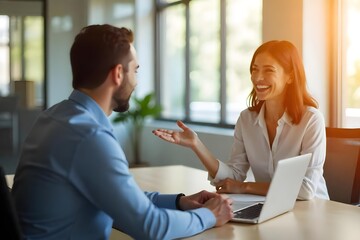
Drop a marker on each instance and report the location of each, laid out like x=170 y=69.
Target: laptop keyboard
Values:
x=249 y=212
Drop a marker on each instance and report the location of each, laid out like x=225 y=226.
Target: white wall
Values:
x=21 y=8
x=64 y=21
x=316 y=51
x=282 y=20
x=144 y=43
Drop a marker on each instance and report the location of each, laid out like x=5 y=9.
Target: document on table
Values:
x=243 y=200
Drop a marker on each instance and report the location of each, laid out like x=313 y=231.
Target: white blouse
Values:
x=251 y=148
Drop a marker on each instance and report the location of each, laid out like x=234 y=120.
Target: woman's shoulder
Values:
x=313 y=114
x=248 y=114
x=313 y=111
x=247 y=118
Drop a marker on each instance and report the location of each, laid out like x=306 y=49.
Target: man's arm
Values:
x=102 y=176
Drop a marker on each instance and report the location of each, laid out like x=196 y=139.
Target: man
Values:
x=73 y=181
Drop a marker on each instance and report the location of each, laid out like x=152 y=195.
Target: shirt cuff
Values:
x=166 y=201
x=223 y=172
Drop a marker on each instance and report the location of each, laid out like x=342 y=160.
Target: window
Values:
x=349 y=63
x=22 y=53
x=4 y=55
x=27 y=52
x=204 y=52
x=115 y=12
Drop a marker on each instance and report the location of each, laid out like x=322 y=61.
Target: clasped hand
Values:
x=218 y=204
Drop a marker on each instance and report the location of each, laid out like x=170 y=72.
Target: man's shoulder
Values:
x=70 y=117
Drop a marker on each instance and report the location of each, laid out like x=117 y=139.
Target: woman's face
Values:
x=269 y=78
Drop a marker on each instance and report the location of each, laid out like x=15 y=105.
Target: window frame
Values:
x=337 y=106
x=161 y=6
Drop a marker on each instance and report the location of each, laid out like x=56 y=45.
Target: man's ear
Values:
x=118 y=74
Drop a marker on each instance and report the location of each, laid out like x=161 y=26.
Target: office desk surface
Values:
x=310 y=220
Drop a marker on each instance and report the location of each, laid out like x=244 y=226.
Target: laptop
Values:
x=282 y=194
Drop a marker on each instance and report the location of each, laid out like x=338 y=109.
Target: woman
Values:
x=282 y=121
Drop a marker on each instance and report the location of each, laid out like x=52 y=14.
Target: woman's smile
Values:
x=262 y=88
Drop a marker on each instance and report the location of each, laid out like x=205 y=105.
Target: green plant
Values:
x=141 y=109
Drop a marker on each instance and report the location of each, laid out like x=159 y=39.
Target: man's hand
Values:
x=219 y=205
x=196 y=200
x=221 y=208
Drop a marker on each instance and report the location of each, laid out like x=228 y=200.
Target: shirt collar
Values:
x=286 y=119
x=92 y=107
x=260 y=119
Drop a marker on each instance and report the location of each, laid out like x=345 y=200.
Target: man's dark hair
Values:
x=95 y=51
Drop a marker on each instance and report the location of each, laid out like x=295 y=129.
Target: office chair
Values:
x=9 y=118
x=9 y=222
x=342 y=164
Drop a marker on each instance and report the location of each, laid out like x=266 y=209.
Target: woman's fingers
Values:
x=182 y=125
x=164 y=134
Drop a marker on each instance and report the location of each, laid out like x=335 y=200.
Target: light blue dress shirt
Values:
x=73 y=182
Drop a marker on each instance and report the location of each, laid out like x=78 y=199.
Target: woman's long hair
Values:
x=297 y=97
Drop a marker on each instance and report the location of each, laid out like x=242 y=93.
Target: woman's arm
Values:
x=314 y=141
x=229 y=185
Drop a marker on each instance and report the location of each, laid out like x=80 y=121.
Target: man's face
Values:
x=122 y=96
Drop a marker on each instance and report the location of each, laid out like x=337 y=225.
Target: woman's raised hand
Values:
x=187 y=137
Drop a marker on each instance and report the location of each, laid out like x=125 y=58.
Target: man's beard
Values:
x=122 y=104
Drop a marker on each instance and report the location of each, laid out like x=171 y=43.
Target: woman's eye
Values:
x=269 y=70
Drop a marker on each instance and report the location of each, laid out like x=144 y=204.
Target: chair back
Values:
x=9 y=222
x=9 y=104
x=342 y=164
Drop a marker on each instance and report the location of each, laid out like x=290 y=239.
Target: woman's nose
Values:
x=256 y=77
